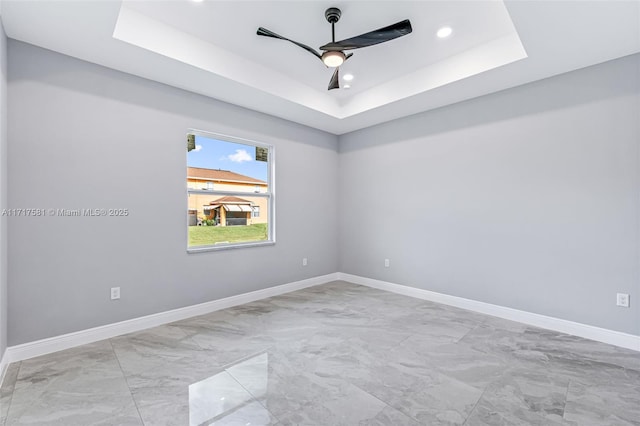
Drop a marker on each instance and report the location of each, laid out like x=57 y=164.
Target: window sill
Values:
x=230 y=246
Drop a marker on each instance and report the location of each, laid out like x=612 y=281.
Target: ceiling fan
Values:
x=333 y=53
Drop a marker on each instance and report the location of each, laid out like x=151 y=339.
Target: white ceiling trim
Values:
x=147 y=33
x=554 y=37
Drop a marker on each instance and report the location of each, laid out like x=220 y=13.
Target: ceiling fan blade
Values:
x=381 y=35
x=265 y=32
x=335 y=81
x=348 y=56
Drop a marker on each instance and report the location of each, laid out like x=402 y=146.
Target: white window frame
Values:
x=269 y=194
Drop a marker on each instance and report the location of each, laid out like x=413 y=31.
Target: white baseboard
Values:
x=604 y=335
x=66 y=341
x=4 y=363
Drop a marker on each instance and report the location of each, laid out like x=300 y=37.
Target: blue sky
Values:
x=217 y=154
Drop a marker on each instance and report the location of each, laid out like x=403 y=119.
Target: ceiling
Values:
x=211 y=48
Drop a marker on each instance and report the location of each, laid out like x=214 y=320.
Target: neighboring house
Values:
x=229 y=211
x=225 y=210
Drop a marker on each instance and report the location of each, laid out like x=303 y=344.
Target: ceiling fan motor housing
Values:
x=332 y=14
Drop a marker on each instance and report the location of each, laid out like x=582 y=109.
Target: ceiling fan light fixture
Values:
x=333 y=58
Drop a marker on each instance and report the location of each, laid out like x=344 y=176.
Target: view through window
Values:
x=230 y=192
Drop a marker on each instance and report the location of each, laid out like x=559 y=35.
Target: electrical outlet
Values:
x=387 y=263
x=622 y=300
x=304 y=261
x=115 y=293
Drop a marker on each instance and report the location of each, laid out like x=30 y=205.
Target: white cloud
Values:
x=197 y=148
x=240 y=156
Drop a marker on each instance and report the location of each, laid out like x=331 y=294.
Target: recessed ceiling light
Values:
x=347 y=77
x=198 y=1
x=346 y=86
x=444 y=32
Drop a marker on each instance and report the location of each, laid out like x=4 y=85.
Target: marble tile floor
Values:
x=336 y=354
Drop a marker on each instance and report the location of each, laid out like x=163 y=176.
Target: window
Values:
x=230 y=192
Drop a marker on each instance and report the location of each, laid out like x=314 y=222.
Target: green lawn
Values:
x=208 y=235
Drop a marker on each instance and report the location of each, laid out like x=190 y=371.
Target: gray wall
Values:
x=85 y=136
x=527 y=198
x=3 y=190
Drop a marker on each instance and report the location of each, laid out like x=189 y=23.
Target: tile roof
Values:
x=230 y=199
x=220 y=175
